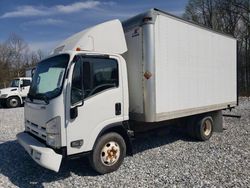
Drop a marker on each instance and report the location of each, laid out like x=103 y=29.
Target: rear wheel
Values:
x=108 y=153
x=13 y=102
x=204 y=128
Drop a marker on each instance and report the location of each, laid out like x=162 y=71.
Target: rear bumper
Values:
x=41 y=154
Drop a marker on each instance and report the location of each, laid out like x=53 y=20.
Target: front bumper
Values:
x=3 y=96
x=2 y=101
x=41 y=154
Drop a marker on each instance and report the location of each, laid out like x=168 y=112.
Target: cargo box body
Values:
x=176 y=68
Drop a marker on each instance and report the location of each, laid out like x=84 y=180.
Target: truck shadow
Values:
x=22 y=171
x=159 y=137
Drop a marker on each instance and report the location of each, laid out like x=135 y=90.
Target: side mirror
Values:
x=73 y=112
x=21 y=84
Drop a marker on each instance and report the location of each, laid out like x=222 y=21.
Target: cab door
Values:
x=24 y=87
x=99 y=81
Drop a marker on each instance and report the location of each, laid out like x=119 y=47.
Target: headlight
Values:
x=53 y=140
x=53 y=126
x=53 y=130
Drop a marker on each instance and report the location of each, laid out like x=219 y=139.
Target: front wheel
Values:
x=108 y=153
x=13 y=102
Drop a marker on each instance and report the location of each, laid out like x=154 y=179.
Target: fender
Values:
x=122 y=129
x=21 y=99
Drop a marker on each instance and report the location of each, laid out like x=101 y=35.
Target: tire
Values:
x=108 y=153
x=13 y=102
x=204 y=128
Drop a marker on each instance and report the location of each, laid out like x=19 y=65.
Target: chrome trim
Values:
x=149 y=65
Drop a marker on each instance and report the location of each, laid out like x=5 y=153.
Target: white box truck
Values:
x=14 y=95
x=104 y=84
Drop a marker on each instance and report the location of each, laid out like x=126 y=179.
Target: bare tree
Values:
x=41 y=55
x=19 y=49
x=232 y=17
x=202 y=12
x=15 y=58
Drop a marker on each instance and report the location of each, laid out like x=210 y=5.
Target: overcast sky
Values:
x=44 y=23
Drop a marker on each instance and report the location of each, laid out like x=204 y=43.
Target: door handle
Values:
x=118 y=109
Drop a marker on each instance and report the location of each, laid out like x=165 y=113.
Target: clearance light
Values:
x=78 y=49
x=147 y=19
x=76 y=144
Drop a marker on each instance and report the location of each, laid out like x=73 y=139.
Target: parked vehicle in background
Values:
x=103 y=85
x=15 y=94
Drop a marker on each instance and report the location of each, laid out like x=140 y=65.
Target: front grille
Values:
x=37 y=130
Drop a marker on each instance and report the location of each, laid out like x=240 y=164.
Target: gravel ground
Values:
x=168 y=159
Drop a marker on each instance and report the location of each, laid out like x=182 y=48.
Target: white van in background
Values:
x=14 y=95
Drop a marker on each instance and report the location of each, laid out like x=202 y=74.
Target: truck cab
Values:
x=77 y=95
x=14 y=95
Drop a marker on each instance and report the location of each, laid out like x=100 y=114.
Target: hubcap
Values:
x=207 y=127
x=110 y=153
x=13 y=102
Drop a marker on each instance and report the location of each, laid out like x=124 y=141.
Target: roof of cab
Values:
x=107 y=37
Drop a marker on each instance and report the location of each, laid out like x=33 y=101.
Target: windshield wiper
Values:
x=43 y=97
x=38 y=96
x=46 y=99
x=30 y=96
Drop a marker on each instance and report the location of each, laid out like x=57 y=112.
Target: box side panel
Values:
x=133 y=58
x=195 y=68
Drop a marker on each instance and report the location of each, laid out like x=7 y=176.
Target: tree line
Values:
x=15 y=58
x=230 y=17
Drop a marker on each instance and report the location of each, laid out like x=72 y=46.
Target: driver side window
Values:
x=98 y=74
x=26 y=83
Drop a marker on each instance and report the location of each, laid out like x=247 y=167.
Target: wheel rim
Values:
x=13 y=102
x=110 y=153
x=207 y=127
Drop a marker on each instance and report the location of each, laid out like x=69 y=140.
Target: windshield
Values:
x=14 y=83
x=48 y=78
